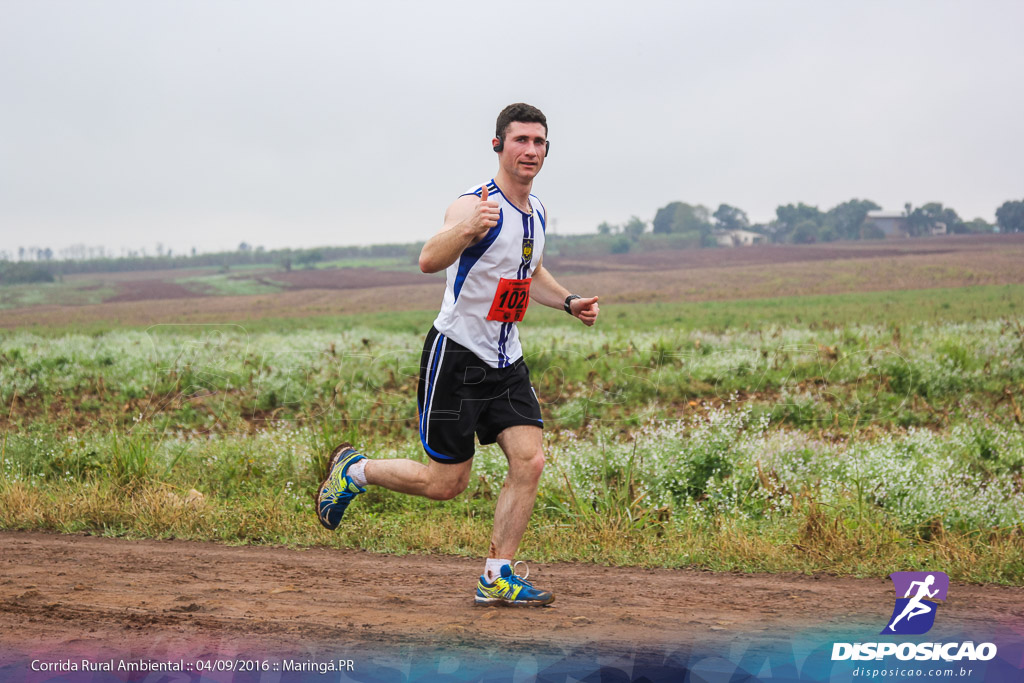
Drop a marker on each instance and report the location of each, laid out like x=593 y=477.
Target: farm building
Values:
x=894 y=224
x=738 y=238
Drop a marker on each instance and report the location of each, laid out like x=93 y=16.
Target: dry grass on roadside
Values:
x=812 y=542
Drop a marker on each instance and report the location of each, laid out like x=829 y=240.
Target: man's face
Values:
x=523 y=154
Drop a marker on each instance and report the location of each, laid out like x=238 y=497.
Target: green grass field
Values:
x=403 y=263
x=854 y=434
x=51 y=293
x=230 y=284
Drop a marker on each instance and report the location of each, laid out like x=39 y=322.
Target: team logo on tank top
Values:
x=527 y=249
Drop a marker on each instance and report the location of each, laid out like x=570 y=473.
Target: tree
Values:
x=664 y=219
x=21 y=273
x=806 y=232
x=788 y=217
x=681 y=217
x=916 y=219
x=308 y=257
x=1010 y=216
x=731 y=218
x=924 y=220
x=620 y=245
x=847 y=218
x=827 y=233
x=952 y=221
x=635 y=227
x=976 y=227
x=285 y=259
x=605 y=228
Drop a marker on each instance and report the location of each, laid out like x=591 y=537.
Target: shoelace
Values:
x=521 y=579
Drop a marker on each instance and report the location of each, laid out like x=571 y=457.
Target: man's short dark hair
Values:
x=521 y=112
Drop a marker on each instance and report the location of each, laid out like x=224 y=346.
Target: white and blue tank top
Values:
x=511 y=249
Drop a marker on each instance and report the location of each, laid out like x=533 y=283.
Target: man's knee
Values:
x=447 y=489
x=537 y=463
x=530 y=466
x=445 y=492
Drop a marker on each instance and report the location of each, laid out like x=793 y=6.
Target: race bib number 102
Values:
x=510 y=301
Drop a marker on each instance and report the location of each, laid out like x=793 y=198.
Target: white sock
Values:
x=492 y=569
x=357 y=471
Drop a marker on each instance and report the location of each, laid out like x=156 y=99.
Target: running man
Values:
x=916 y=605
x=472 y=376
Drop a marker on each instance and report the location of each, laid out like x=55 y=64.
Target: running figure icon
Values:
x=916 y=606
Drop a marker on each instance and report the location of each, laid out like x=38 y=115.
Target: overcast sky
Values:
x=204 y=124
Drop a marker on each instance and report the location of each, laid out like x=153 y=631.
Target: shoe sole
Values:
x=501 y=602
x=333 y=458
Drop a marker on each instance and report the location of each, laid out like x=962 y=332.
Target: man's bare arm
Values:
x=544 y=289
x=466 y=221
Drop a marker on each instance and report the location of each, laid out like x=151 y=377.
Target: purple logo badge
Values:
x=917 y=596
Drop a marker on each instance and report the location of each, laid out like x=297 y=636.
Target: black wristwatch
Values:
x=568 y=300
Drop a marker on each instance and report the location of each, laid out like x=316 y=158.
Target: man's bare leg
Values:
x=500 y=584
x=435 y=480
x=524 y=448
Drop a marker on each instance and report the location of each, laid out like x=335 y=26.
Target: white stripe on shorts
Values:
x=431 y=385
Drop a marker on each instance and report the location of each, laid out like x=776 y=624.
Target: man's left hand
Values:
x=585 y=309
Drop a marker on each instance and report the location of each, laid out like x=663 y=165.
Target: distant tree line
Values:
x=38 y=265
x=23 y=272
x=677 y=225
x=803 y=224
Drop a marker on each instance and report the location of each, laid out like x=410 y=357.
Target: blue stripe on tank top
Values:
x=504 y=344
x=472 y=254
x=521 y=273
x=491 y=189
x=502 y=340
x=542 y=213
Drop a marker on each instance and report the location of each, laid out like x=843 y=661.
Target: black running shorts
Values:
x=460 y=395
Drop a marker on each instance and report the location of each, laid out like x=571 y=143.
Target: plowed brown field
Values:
x=671 y=275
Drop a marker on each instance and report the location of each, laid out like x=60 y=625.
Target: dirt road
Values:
x=90 y=596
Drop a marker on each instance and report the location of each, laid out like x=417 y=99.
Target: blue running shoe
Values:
x=338 y=489
x=512 y=590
